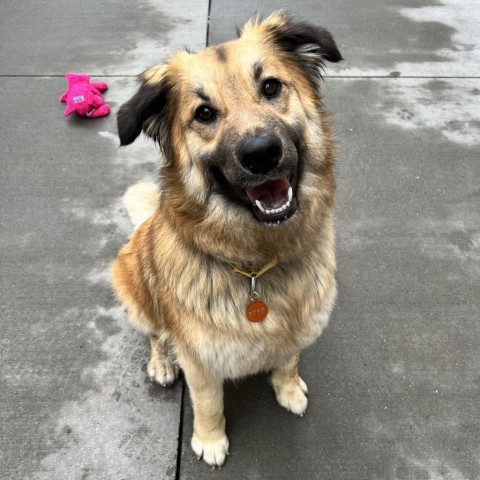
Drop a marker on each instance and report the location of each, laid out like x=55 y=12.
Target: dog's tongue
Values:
x=271 y=194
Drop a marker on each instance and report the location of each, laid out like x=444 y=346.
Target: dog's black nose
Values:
x=261 y=153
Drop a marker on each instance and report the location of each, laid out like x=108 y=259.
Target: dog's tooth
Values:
x=259 y=205
x=290 y=194
x=274 y=211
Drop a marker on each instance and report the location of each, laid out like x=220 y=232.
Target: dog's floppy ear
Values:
x=146 y=109
x=309 y=45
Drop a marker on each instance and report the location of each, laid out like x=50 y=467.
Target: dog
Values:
x=231 y=270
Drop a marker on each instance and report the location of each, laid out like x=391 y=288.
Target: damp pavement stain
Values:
x=463 y=56
x=410 y=458
x=108 y=39
x=113 y=429
x=455 y=240
x=439 y=39
x=74 y=372
x=446 y=106
x=401 y=352
x=123 y=426
x=378 y=38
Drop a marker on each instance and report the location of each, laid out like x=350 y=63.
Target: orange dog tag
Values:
x=256 y=311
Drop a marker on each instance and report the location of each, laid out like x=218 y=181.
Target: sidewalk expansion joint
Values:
x=208 y=22
x=180 y=432
x=399 y=77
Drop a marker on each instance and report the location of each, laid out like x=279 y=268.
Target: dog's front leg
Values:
x=206 y=391
x=290 y=390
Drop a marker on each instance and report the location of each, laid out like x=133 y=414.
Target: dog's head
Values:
x=241 y=121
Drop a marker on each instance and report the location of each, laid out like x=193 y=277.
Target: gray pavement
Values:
x=394 y=382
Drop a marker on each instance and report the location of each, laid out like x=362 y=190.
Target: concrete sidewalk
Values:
x=394 y=382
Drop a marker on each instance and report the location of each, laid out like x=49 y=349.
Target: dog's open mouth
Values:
x=273 y=201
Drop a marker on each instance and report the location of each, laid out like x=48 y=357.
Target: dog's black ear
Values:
x=304 y=39
x=310 y=45
x=146 y=109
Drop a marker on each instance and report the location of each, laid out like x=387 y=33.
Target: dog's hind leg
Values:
x=162 y=367
x=290 y=390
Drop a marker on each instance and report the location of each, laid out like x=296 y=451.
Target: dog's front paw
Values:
x=292 y=394
x=162 y=370
x=213 y=452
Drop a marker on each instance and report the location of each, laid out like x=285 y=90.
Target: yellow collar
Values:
x=267 y=267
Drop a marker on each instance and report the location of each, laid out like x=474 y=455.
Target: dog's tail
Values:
x=140 y=200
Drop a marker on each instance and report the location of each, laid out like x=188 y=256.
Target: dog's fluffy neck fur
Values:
x=243 y=241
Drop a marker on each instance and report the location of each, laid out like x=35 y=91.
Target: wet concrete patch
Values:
x=74 y=401
x=376 y=37
x=111 y=38
x=408 y=232
x=447 y=106
x=462 y=18
x=113 y=429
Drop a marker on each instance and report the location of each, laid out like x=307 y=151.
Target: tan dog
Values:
x=248 y=183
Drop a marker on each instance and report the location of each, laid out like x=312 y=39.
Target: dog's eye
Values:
x=204 y=114
x=271 y=87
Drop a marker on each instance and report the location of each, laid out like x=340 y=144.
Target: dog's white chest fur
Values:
x=233 y=347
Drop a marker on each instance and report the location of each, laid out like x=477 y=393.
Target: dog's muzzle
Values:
x=272 y=197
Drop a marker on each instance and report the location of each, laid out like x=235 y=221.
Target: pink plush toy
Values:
x=84 y=97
